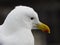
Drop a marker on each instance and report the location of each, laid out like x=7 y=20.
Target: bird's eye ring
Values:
x=32 y=18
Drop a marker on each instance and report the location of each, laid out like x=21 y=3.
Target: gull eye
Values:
x=32 y=18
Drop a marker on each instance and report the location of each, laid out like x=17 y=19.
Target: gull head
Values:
x=23 y=16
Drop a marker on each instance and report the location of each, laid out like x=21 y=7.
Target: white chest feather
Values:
x=19 y=38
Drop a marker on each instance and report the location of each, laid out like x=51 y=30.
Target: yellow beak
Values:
x=43 y=27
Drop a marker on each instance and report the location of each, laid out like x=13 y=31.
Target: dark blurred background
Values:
x=48 y=11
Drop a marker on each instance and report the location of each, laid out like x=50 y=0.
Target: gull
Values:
x=16 y=29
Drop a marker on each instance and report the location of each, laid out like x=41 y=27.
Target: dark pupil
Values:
x=32 y=18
